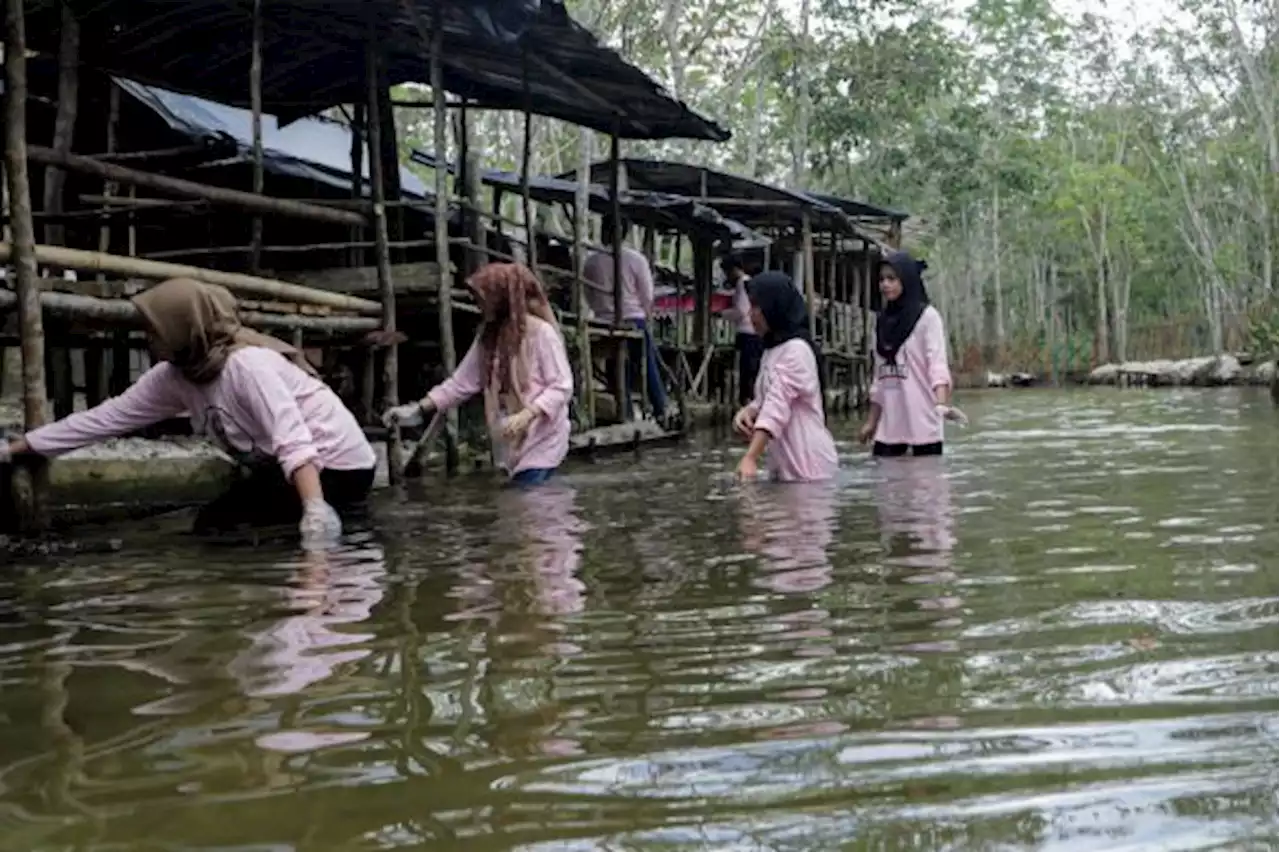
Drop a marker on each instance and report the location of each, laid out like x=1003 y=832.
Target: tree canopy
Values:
x=1070 y=184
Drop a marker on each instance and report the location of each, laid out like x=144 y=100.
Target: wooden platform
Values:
x=620 y=437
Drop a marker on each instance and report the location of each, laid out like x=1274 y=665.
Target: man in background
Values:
x=637 y=306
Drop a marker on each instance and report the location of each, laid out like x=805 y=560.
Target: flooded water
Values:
x=1061 y=636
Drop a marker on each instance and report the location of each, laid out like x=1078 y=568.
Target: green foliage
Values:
x=1264 y=335
x=1103 y=179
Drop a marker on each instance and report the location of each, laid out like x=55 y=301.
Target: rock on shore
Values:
x=1206 y=371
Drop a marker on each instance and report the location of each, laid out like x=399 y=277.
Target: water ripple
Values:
x=1061 y=636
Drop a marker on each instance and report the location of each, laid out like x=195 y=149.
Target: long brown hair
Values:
x=508 y=293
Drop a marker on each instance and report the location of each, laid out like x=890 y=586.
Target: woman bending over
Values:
x=253 y=395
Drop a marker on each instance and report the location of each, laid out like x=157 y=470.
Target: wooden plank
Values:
x=408 y=278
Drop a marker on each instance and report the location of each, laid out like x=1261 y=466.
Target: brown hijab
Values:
x=509 y=293
x=197 y=328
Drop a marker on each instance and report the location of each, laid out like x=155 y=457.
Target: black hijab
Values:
x=787 y=316
x=898 y=318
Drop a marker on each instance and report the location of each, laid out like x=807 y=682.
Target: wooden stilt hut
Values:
x=830 y=252
x=286 y=60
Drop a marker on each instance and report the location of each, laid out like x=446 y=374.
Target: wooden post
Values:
x=390 y=166
x=472 y=190
x=357 y=177
x=64 y=122
x=28 y=487
x=615 y=213
x=366 y=380
x=650 y=256
x=867 y=346
x=445 y=299
x=810 y=292
x=581 y=225
x=58 y=368
x=382 y=252
x=526 y=201
x=526 y=161
x=255 y=108
x=95 y=373
x=685 y=420
x=109 y=187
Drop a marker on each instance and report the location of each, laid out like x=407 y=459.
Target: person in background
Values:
x=637 y=306
x=788 y=413
x=254 y=395
x=911 y=384
x=746 y=342
x=519 y=362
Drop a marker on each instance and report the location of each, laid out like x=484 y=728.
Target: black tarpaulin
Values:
x=313 y=56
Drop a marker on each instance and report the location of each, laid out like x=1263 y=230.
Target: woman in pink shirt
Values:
x=747 y=342
x=788 y=414
x=254 y=395
x=518 y=361
x=911 y=388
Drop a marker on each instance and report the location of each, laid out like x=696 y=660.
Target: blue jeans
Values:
x=533 y=476
x=653 y=372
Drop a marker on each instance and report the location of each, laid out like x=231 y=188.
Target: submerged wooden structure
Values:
x=288 y=59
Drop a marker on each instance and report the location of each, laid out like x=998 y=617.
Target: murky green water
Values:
x=1061 y=637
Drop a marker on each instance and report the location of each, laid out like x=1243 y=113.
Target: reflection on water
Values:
x=1062 y=635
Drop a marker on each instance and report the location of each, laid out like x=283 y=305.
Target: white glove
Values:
x=320 y=526
x=950 y=412
x=410 y=414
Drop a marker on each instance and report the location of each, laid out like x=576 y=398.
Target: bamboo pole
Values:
x=255 y=109
x=122 y=311
x=445 y=300
x=64 y=122
x=93 y=261
x=192 y=189
x=581 y=222
x=27 y=483
x=382 y=256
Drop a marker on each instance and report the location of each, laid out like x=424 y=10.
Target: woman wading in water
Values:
x=911 y=388
x=788 y=414
x=518 y=361
x=254 y=395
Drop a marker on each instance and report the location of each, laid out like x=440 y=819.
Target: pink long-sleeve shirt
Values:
x=788 y=405
x=904 y=390
x=260 y=401
x=550 y=389
x=637 y=285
